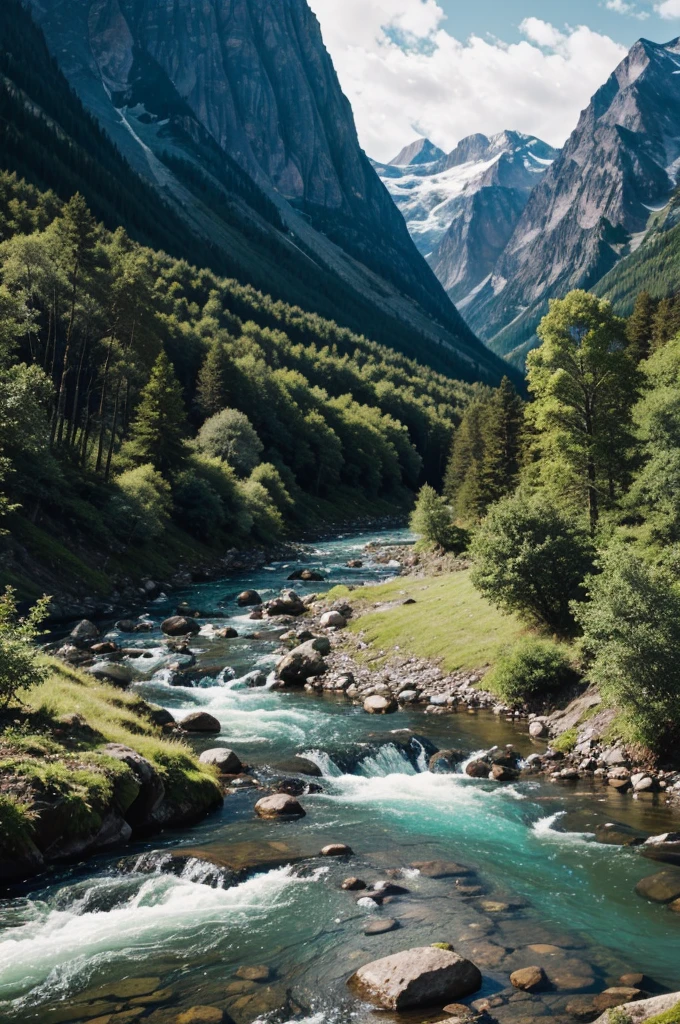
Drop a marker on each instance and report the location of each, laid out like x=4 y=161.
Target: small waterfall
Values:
x=324 y=762
x=422 y=760
x=389 y=760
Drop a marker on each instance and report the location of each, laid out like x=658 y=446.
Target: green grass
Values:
x=566 y=742
x=450 y=622
x=671 y=1016
x=50 y=552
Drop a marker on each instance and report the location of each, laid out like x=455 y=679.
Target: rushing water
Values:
x=185 y=924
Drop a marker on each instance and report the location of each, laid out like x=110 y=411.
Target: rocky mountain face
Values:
x=462 y=208
x=232 y=109
x=595 y=204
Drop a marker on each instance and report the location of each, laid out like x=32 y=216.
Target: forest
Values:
x=141 y=397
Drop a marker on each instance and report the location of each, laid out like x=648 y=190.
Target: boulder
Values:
x=665 y=847
x=105 y=647
x=380 y=926
x=179 y=625
x=500 y=773
x=353 y=884
x=289 y=603
x=151 y=788
x=538 y=730
x=307 y=575
x=200 y=721
x=337 y=850
x=279 y=806
x=378 y=705
x=643 y=1009
x=663 y=887
x=441 y=868
x=416 y=978
x=612 y=997
x=614 y=758
x=226 y=760
x=84 y=632
x=257 y=973
x=529 y=979
x=333 y=619
x=248 y=598
x=303 y=663
x=355 y=563
x=478 y=770
x=108 y=672
x=445 y=761
x=199 y=1015
x=228 y=633
x=126 y=625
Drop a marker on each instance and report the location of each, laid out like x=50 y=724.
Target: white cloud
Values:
x=669 y=9
x=405 y=75
x=623 y=7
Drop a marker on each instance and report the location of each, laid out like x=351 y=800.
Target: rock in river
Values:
x=114 y=673
x=178 y=625
x=200 y=721
x=528 y=979
x=663 y=887
x=279 y=806
x=337 y=850
x=612 y=997
x=416 y=978
x=378 y=705
x=248 y=598
x=226 y=760
x=303 y=662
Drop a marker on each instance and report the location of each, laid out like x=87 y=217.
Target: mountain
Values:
x=462 y=208
x=231 y=110
x=597 y=202
x=422 y=151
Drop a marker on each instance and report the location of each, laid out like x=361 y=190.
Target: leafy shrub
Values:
x=270 y=478
x=143 y=504
x=631 y=630
x=267 y=520
x=224 y=482
x=197 y=506
x=433 y=520
x=20 y=668
x=531 y=558
x=533 y=670
x=231 y=436
x=15 y=825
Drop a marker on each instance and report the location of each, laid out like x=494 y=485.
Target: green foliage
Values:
x=631 y=632
x=671 y=1016
x=267 y=520
x=432 y=519
x=158 y=430
x=532 y=558
x=272 y=480
x=584 y=384
x=198 y=508
x=142 y=505
x=565 y=743
x=231 y=436
x=15 y=824
x=640 y=326
x=212 y=386
x=20 y=665
x=532 y=671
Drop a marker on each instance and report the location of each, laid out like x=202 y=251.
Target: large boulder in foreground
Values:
x=279 y=806
x=304 y=662
x=663 y=887
x=420 y=977
x=643 y=1009
x=228 y=762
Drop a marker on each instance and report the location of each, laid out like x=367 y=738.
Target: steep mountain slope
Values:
x=462 y=208
x=232 y=110
x=594 y=205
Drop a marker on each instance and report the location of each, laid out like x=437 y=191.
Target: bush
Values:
x=531 y=671
x=267 y=520
x=224 y=482
x=231 y=436
x=198 y=508
x=531 y=559
x=143 y=504
x=631 y=630
x=20 y=668
x=270 y=478
x=433 y=520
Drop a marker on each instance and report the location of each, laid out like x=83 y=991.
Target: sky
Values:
x=448 y=68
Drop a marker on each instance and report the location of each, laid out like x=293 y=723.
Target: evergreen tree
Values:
x=640 y=326
x=501 y=436
x=159 y=427
x=666 y=322
x=212 y=387
x=432 y=519
x=462 y=478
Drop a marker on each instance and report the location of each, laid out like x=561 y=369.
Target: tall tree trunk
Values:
x=102 y=406
x=61 y=398
x=114 y=424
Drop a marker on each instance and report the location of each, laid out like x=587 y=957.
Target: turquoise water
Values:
x=530 y=846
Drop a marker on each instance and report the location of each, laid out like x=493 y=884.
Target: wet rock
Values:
x=255 y=679
x=84 y=632
x=663 y=887
x=633 y=980
x=380 y=926
x=307 y=576
x=179 y=625
x=538 y=729
x=202 y=1015
x=384 y=888
x=416 y=978
x=353 y=884
x=303 y=663
x=529 y=979
x=581 y=1008
x=281 y=805
x=675 y=906
x=613 y=833
x=115 y=674
x=612 y=997
x=665 y=847
x=226 y=760
x=228 y=633
x=256 y=973
x=459 y=1010
x=355 y=563
x=446 y=761
x=105 y=647
x=570 y=975
x=334 y=620
x=441 y=868
x=257 y=615
x=337 y=850
x=248 y=598
x=501 y=773
x=378 y=705
x=126 y=625
x=200 y=721
x=478 y=770
x=643 y=1009
x=289 y=603
x=487 y=954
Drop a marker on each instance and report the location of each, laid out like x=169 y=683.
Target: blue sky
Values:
x=447 y=68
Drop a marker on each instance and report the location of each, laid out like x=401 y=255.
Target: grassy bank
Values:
x=450 y=622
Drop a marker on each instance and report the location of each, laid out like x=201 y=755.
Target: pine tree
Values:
x=640 y=326
x=462 y=477
x=159 y=427
x=666 y=322
x=212 y=387
x=501 y=437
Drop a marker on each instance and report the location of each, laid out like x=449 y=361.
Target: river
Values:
x=542 y=890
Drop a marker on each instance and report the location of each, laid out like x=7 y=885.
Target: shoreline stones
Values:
x=529 y=979
x=179 y=625
x=420 y=977
x=280 y=805
x=200 y=721
x=379 y=705
x=224 y=759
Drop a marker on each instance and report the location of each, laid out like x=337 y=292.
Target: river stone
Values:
x=663 y=887
x=179 y=625
x=440 y=868
x=633 y=980
x=333 y=619
x=201 y=1015
x=500 y=773
x=665 y=847
x=289 y=603
x=674 y=906
x=123 y=989
x=477 y=770
x=643 y=1009
x=612 y=997
x=124 y=1017
x=353 y=884
x=226 y=760
x=528 y=979
x=538 y=730
x=200 y=721
x=337 y=850
x=445 y=761
x=279 y=806
x=256 y=973
x=378 y=705
x=151 y=788
x=416 y=978
x=570 y=975
x=85 y=630
x=303 y=663
x=248 y=598
x=115 y=674
x=379 y=927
